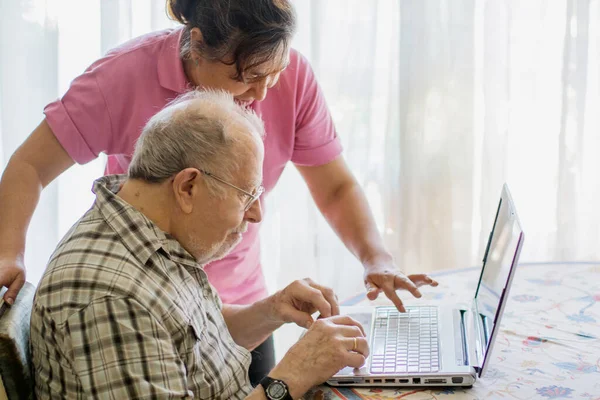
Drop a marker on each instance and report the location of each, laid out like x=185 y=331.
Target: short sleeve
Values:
x=121 y=351
x=80 y=119
x=316 y=141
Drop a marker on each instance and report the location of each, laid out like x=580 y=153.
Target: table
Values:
x=548 y=346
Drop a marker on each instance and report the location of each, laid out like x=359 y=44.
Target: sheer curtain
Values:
x=44 y=44
x=437 y=103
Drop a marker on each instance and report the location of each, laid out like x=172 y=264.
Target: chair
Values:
x=15 y=366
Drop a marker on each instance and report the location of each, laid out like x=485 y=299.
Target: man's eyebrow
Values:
x=255 y=184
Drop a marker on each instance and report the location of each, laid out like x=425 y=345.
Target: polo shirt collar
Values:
x=171 y=74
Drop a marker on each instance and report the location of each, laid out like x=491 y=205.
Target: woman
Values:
x=239 y=46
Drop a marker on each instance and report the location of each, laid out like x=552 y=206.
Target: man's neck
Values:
x=149 y=199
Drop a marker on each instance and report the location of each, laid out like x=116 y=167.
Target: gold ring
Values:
x=355 y=344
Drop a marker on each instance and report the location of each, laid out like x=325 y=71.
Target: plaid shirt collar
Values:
x=140 y=235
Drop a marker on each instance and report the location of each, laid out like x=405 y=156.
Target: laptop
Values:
x=442 y=346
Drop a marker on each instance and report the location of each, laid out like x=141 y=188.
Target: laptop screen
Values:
x=499 y=263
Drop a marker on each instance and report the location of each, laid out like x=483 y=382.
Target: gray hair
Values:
x=198 y=130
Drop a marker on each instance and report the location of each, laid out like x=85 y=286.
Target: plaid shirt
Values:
x=124 y=312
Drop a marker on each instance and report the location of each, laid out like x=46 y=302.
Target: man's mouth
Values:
x=241 y=230
x=244 y=103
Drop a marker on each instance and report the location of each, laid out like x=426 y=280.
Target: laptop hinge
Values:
x=477 y=338
x=461 y=346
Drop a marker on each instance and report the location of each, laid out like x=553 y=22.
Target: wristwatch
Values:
x=275 y=389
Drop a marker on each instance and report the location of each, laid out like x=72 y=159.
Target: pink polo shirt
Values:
x=107 y=106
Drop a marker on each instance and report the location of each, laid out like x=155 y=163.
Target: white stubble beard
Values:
x=218 y=250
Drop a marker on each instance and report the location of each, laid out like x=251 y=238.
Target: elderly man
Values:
x=124 y=309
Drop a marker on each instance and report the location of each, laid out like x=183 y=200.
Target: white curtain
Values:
x=44 y=44
x=437 y=103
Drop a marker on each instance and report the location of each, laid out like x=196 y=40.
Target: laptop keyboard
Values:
x=405 y=342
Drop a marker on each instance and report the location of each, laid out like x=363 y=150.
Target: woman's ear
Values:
x=195 y=38
x=196 y=35
x=186 y=189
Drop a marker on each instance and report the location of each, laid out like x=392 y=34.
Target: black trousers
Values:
x=263 y=361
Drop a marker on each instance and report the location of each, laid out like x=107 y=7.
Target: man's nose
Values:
x=254 y=213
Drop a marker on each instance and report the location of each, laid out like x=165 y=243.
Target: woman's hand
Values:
x=386 y=277
x=12 y=275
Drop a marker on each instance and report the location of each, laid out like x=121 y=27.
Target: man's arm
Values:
x=342 y=202
x=121 y=351
x=251 y=325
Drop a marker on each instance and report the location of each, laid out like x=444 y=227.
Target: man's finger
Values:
x=346 y=320
x=402 y=282
x=314 y=297
x=355 y=360
x=358 y=345
x=350 y=331
x=290 y=314
x=329 y=295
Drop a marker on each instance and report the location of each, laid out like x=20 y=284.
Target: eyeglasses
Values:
x=251 y=197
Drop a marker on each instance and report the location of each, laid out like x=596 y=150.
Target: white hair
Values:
x=198 y=129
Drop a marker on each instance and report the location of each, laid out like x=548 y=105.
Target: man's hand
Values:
x=386 y=277
x=300 y=299
x=328 y=346
x=12 y=275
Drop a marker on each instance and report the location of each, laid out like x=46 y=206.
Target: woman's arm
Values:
x=36 y=163
x=342 y=202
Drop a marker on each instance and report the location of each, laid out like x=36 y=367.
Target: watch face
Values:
x=276 y=390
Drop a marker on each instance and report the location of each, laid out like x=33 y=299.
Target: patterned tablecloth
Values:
x=548 y=347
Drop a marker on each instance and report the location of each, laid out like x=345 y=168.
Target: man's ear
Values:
x=186 y=188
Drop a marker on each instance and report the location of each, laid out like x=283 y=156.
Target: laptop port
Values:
x=347 y=381
x=417 y=380
x=390 y=381
x=435 y=381
x=376 y=380
x=457 y=379
x=403 y=380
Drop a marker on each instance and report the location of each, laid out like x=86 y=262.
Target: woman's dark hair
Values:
x=246 y=33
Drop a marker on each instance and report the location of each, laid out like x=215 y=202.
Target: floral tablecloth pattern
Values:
x=548 y=346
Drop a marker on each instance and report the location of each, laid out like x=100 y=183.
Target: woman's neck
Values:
x=189 y=69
